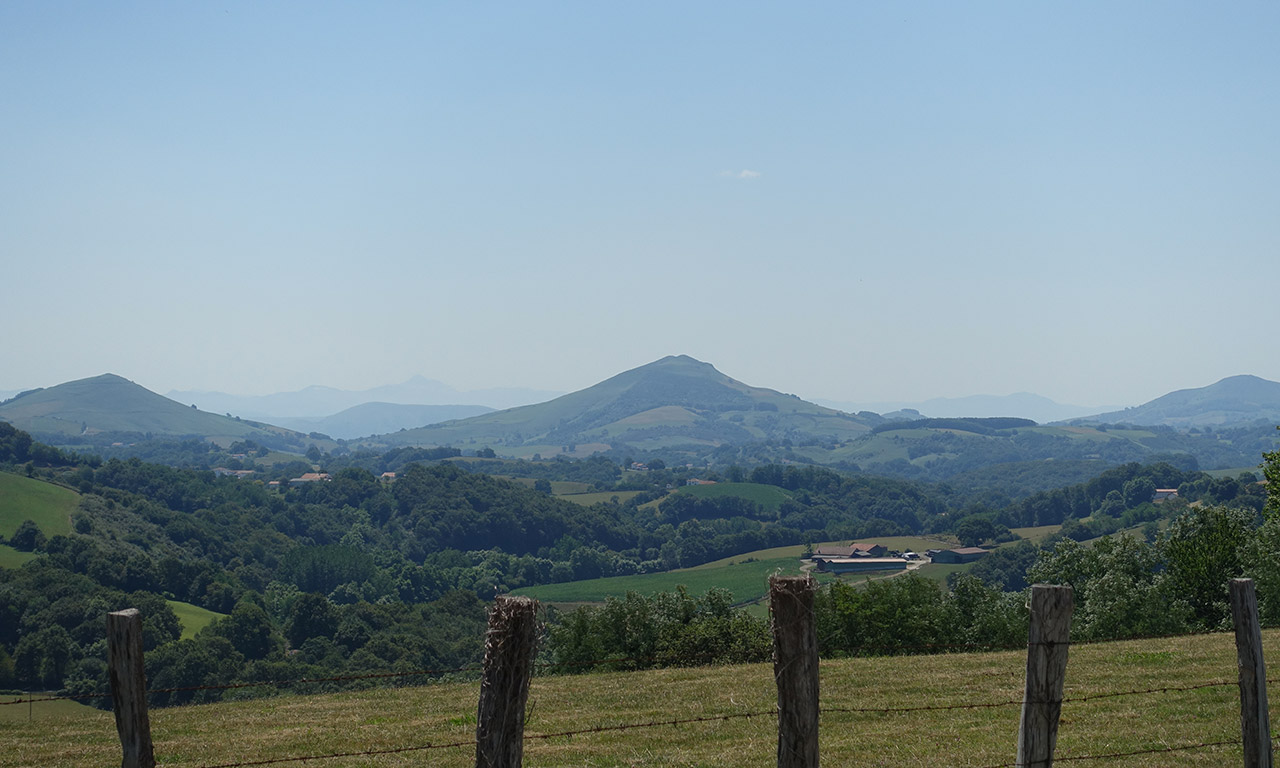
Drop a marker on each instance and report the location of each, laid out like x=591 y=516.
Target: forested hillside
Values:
x=361 y=573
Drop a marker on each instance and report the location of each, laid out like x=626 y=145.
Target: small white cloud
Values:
x=743 y=174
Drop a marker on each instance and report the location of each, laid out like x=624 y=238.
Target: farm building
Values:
x=311 y=477
x=853 y=564
x=961 y=555
x=852 y=550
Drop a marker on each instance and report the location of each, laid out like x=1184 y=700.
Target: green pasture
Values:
x=746 y=580
x=42 y=713
x=12 y=558
x=770 y=497
x=193 y=617
x=940 y=571
x=48 y=506
x=1036 y=534
x=964 y=712
x=558 y=487
x=745 y=575
x=587 y=499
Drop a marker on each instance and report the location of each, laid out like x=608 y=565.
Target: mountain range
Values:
x=372 y=418
x=685 y=410
x=318 y=401
x=1021 y=404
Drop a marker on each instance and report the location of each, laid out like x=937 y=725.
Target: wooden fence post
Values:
x=1047 y=643
x=1254 y=718
x=129 y=688
x=509 y=647
x=795 y=669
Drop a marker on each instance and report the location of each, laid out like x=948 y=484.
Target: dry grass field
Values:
x=967 y=736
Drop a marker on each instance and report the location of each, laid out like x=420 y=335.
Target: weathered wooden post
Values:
x=1255 y=725
x=129 y=688
x=1047 y=644
x=509 y=648
x=795 y=669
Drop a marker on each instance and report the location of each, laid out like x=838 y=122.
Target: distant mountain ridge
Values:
x=675 y=400
x=375 y=418
x=684 y=410
x=1025 y=405
x=1241 y=399
x=319 y=401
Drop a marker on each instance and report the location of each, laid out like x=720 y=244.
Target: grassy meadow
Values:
x=746 y=580
x=48 y=506
x=769 y=497
x=587 y=499
x=43 y=711
x=1036 y=534
x=12 y=558
x=746 y=575
x=444 y=714
x=193 y=617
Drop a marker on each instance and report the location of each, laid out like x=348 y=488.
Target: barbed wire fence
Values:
x=609 y=663
x=797 y=734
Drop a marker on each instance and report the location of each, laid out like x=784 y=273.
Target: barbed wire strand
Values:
x=385 y=675
x=527 y=737
x=654 y=724
x=603 y=662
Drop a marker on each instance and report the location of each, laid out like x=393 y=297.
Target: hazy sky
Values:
x=854 y=201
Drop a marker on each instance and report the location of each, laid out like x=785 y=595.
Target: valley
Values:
x=273 y=555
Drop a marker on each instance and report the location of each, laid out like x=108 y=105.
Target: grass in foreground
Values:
x=396 y=718
x=47 y=505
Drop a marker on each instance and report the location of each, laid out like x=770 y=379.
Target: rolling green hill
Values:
x=111 y=404
x=48 y=506
x=1233 y=400
x=673 y=401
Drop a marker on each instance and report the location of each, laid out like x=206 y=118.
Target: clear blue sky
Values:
x=853 y=201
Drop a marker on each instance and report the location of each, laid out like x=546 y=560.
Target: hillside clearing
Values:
x=12 y=558
x=48 y=506
x=769 y=497
x=390 y=718
x=746 y=579
x=193 y=617
x=587 y=499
